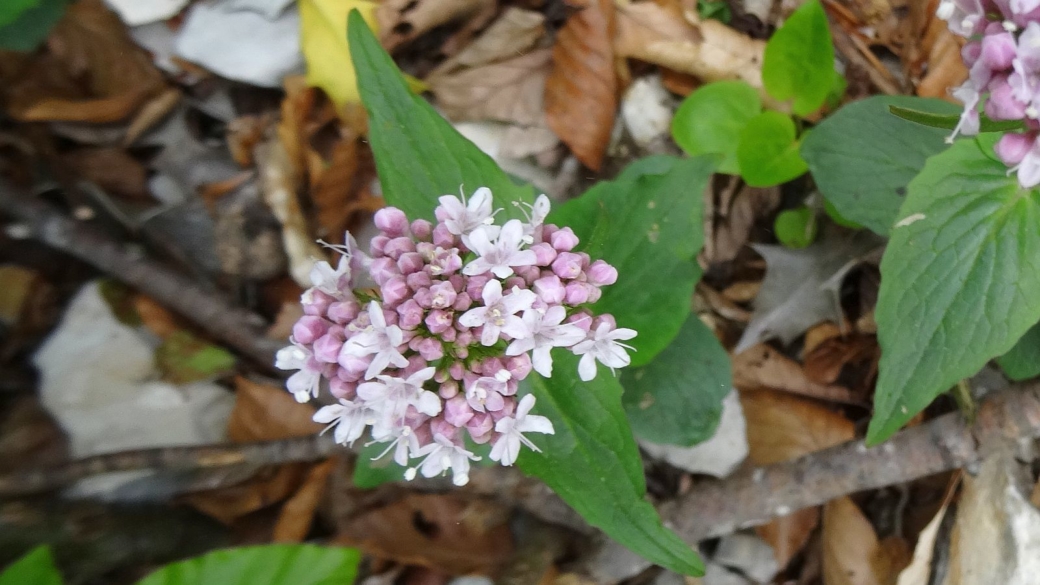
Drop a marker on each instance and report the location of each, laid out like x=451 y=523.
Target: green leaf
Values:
x=960 y=281
x=35 y=568
x=716 y=9
x=370 y=472
x=768 y=150
x=182 y=358
x=30 y=27
x=647 y=224
x=796 y=228
x=950 y=121
x=275 y=564
x=592 y=462
x=419 y=155
x=799 y=60
x=10 y=10
x=677 y=398
x=710 y=120
x=862 y=158
x=1023 y=361
x=838 y=218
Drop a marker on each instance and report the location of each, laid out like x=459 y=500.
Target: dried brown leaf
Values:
x=267 y=413
x=157 y=318
x=934 y=61
x=782 y=427
x=581 y=93
x=852 y=554
x=444 y=532
x=297 y=515
x=401 y=21
x=514 y=33
x=270 y=486
x=92 y=71
x=789 y=534
x=508 y=91
x=763 y=366
x=731 y=231
x=112 y=169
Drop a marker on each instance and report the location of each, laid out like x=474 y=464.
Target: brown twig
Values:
x=234 y=326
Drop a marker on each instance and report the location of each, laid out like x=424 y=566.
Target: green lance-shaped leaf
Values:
x=960 y=281
x=711 y=119
x=35 y=568
x=419 y=155
x=677 y=398
x=799 y=60
x=592 y=462
x=647 y=224
x=950 y=121
x=862 y=157
x=276 y=564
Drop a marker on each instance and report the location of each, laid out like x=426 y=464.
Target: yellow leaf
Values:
x=323 y=29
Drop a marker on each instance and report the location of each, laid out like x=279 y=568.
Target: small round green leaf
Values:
x=711 y=119
x=275 y=564
x=768 y=151
x=799 y=60
x=796 y=228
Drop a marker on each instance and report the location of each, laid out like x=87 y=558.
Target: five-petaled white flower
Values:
x=392 y=396
x=402 y=441
x=507 y=448
x=379 y=339
x=462 y=217
x=498 y=315
x=545 y=330
x=442 y=455
x=499 y=256
x=305 y=383
x=602 y=345
x=349 y=418
x=538 y=212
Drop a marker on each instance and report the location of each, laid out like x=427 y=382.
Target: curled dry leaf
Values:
x=736 y=216
x=852 y=553
x=446 y=532
x=268 y=413
x=581 y=94
x=269 y=486
x=91 y=72
x=512 y=34
x=934 y=58
x=401 y=21
x=763 y=366
x=297 y=515
x=112 y=169
x=507 y=91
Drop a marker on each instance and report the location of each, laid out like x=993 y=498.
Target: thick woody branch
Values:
x=234 y=326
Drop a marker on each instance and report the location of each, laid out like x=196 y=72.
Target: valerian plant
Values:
x=960 y=284
x=484 y=324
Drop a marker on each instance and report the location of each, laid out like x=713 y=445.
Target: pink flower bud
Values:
x=439 y=321
x=391 y=221
x=544 y=254
x=442 y=295
x=1012 y=148
x=377 y=245
x=417 y=280
x=315 y=302
x=576 y=293
x=397 y=246
x=344 y=312
x=519 y=366
x=383 y=269
x=430 y=349
x=424 y=297
x=456 y=370
x=998 y=50
x=550 y=289
x=462 y=302
x=409 y=314
x=528 y=273
x=327 y=348
x=442 y=237
x=581 y=320
x=410 y=262
x=457 y=411
x=395 y=291
x=1002 y=104
x=342 y=389
x=594 y=294
x=563 y=240
x=475 y=286
x=440 y=426
x=422 y=229
x=601 y=274
x=480 y=424
x=448 y=389
x=309 y=328
x=970 y=52
x=513 y=281
x=567 y=265
x=508 y=408
x=464 y=337
x=353 y=363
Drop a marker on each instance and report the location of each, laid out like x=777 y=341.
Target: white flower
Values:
x=333 y=281
x=602 y=345
x=535 y=219
x=462 y=217
x=498 y=314
x=507 y=448
x=486 y=394
x=305 y=383
x=349 y=418
x=378 y=339
x=544 y=332
x=391 y=396
x=442 y=455
x=500 y=255
x=402 y=440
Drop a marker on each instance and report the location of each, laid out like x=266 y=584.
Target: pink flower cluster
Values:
x=461 y=312
x=1003 y=56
